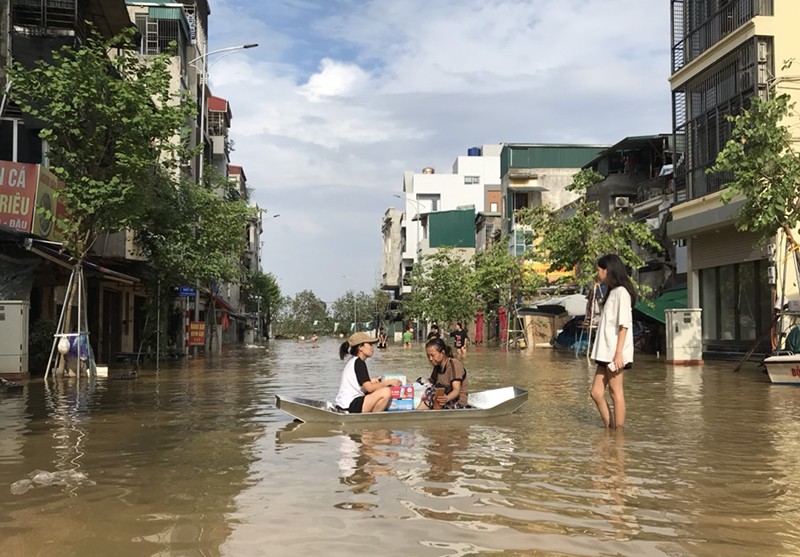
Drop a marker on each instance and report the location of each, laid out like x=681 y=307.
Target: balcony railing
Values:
x=654 y=188
x=693 y=32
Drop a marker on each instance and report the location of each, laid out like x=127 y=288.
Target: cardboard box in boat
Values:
x=398 y=404
x=399 y=393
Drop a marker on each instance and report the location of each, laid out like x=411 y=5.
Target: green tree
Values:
x=297 y=315
x=502 y=278
x=115 y=136
x=577 y=237
x=362 y=306
x=443 y=289
x=112 y=128
x=762 y=161
x=261 y=294
x=195 y=233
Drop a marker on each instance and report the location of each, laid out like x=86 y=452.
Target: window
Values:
x=493 y=206
x=431 y=201
x=472 y=179
x=18 y=143
x=736 y=303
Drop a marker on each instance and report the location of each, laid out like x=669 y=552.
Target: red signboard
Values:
x=17 y=194
x=197 y=333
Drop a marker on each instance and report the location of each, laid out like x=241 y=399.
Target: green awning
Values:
x=671 y=299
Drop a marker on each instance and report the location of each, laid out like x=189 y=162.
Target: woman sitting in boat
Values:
x=448 y=389
x=358 y=393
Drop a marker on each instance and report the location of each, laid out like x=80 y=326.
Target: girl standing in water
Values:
x=613 y=345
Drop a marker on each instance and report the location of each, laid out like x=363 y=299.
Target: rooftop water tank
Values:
x=474 y=152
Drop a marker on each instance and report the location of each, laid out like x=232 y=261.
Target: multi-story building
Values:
x=474 y=181
x=724 y=53
x=638 y=182
x=30 y=31
x=533 y=175
x=184 y=24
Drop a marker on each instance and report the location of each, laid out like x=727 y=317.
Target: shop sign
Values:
x=17 y=194
x=197 y=333
x=47 y=198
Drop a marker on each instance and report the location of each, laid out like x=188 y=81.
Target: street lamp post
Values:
x=204 y=71
x=355 y=310
x=418 y=218
x=204 y=58
x=418 y=251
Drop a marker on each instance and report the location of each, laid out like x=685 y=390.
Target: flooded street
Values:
x=195 y=460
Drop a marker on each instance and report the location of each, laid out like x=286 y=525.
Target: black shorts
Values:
x=629 y=365
x=356 y=405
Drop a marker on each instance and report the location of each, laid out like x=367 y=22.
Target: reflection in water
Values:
x=196 y=460
x=366 y=455
x=616 y=494
x=442 y=454
x=67 y=401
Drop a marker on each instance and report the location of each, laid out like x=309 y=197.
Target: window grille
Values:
x=700 y=114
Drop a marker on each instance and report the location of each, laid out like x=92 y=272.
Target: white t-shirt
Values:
x=617 y=312
x=349 y=387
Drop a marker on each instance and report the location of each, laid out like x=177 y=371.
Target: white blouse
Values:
x=617 y=312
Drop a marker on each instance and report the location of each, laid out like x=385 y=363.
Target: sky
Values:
x=342 y=96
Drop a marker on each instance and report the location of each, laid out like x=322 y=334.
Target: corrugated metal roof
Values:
x=546 y=156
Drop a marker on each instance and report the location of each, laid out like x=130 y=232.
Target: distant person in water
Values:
x=358 y=393
x=314 y=339
x=408 y=336
x=382 y=338
x=460 y=340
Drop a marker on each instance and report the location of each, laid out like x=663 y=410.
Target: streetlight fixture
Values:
x=355 y=306
x=204 y=58
x=418 y=219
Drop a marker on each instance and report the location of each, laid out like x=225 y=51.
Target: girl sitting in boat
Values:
x=358 y=393
x=448 y=389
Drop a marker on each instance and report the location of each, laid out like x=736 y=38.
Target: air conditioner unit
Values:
x=621 y=202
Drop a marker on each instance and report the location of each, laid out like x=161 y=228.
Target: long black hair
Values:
x=346 y=349
x=617 y=275
x=441 y=346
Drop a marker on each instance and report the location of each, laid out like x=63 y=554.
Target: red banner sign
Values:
x=17 y=194
x=197 y=333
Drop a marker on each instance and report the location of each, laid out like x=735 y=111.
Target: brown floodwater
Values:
x=195 y=460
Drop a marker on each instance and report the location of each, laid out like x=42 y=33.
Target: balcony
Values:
x=658 y=187
x=693 y=33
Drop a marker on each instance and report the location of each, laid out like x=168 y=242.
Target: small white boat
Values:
x=784 y=369
x=483 y=404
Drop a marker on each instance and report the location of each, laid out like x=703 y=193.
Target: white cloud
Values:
x=334 y=79
x=342 y=96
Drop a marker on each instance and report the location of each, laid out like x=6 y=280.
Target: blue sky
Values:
x=342 y=96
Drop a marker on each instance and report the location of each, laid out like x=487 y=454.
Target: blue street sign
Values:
x=187 y=291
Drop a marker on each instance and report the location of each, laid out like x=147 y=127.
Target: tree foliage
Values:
x=196 y=232
x=261 y=295
x=297 y=315
x=113 y=128
x=362 y=307
x=443 y=289
x=502 y=278
x=764 y=167
x=577 y=237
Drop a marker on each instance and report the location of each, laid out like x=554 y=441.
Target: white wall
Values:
x=450 y=188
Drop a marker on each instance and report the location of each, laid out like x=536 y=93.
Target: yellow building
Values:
x=724 y=53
